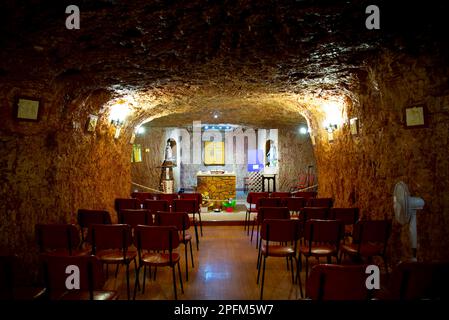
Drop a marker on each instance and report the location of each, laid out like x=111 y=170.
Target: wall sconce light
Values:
x=330 y=128
x=303 y=130
x=118 y=113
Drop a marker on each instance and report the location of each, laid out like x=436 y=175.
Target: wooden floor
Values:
x=225 y=268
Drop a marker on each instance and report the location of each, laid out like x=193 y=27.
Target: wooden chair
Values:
x=280 y=195
x=87 y=217
x=349 y=216
x=111 y=244
x=134 y=217
x=152 y=242
x=269 y=213
x=199 y=199
x=189 y=206
x=294 y=204
x=169 y=197
x=91 y=278
x=322 y=239
x=370 y=238
x=181 y=221
x=156 y=205
x=126 y=203
x=320 y=202
x=337 y=282
x=264 y=202
x=59 y=239
x=276 y=231
x=252 y=199
x=142 y=196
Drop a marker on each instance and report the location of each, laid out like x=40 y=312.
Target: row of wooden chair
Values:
x=256 y=200
x=112 y=243
x=279 y=237
x=171 y=197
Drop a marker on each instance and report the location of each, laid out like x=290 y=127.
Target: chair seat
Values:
x=318 y=250
x=85 y=295
x=187 y=237
x=366 y=249
x=277 y=250
x=160 y=259
x=115 y=255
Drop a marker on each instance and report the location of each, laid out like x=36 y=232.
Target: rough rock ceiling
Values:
x=201 y=56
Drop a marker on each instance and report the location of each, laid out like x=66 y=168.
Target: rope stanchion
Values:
x=148 y=188
x=304 y=189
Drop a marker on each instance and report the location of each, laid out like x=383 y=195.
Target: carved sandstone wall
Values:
x=362 y=171
x=51 y=168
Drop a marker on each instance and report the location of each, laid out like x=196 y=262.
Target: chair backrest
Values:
x=178 y=219
x=320 y=202
x=133 y=217
x=157 y=237
x=86 y=217
x=272 y=213
x=184 y=205
x=156 y=205
x=57 y=236
x=294 y=203
x=280 y=230
x=420 y=280
x=268 y=202
x=337 y=282
x=195 y=196
x=169 y=197
x=252 y=197
x=305 y=194
x=142 y=196
x=110 y=236
x=280 y=194
x=318 y=213
x=126 y=203
x=91 y=276
x=328 y=231
x=349 y=216
x=377 y=231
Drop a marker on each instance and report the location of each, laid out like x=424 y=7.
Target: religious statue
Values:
x=272 y=156
x=168 y=152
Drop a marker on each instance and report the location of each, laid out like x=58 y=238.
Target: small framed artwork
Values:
x=415 y=117
x=27 y=109
x=133 y=138
x=91 y=123
x=354 y=126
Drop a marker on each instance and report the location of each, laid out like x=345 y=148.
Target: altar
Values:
x=220 y=186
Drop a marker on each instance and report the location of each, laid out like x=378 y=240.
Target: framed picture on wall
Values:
x=27 y=109
x=214 y=153
x=91 y=123
x=415 y=116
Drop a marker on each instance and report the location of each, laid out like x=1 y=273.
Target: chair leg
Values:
x=144 y=278
x=191 y=254
x=259 y=255
x=252 y=231
x=135 y=283
x=187 y=262
x=116 y=270
x=307 y=267
x=137 y=276
x=180 y=277
x=155 y=271
x=201 y=224
x=127 y=280
x=257 y=235
x=174 y=282
x=246 y=218
x=298 y=277
x=263 y=277
x=291 y=267
x=196 y=237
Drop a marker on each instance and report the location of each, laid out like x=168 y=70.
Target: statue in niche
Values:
x=168 y=152
x=272 y=156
